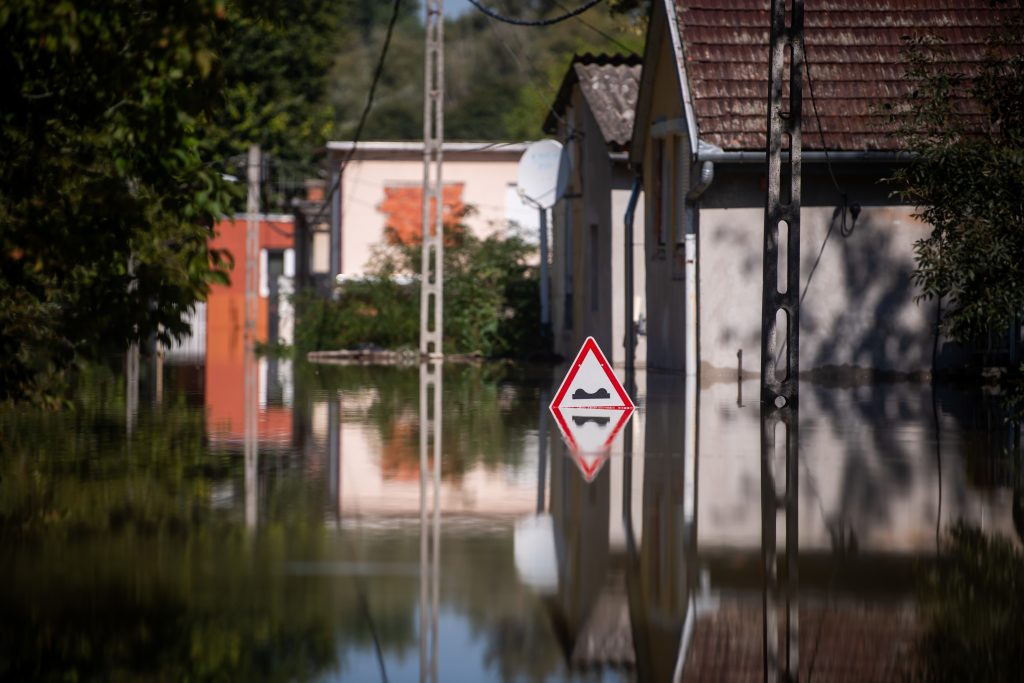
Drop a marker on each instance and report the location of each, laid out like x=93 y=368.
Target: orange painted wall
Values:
x=225 y=334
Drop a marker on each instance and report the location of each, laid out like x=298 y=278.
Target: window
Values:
x=595 y=262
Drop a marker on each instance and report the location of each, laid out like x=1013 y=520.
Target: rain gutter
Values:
x=714 y=154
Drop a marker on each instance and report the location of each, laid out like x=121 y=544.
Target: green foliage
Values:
x=119 y=119
x=106 y=196
x=491 y=301
x=972 y=611
x=967 y=178
x=276 y=59
x=375 y=312
x=499 y=79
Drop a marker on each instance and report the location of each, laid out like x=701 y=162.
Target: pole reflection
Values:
x=251 y=437
x=431 y=410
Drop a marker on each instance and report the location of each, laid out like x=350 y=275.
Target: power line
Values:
x=534 y=22
x=531 y=79
x=607 y=37
x=378 y=70
x=821 y=133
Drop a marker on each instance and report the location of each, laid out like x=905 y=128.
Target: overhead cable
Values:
x=534 y=22
x=366 y=108
x=607 y=37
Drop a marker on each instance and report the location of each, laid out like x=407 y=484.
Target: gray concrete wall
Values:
x=588 y=248
x=869 y=470
x=859 y=311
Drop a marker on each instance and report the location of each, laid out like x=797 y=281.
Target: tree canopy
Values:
x=967 y=178
x=499 y=79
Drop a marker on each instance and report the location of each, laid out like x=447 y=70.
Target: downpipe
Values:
x=630 y=314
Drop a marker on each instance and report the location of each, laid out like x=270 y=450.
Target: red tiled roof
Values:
x=843 y=642
x=854 y=54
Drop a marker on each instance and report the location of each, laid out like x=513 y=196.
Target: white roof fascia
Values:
x=417 y=146
x=684 y=83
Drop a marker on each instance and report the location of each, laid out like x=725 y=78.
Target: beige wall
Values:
x=859 y=311
x=664 y=276
x=486 y=178
x=588 y=255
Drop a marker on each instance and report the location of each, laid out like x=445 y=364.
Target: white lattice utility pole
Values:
x=252 y=279
x=431 y=326
x=432 y=272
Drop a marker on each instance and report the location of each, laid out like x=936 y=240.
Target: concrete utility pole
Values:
x=432 y=271
x=252 y=279
x=431 y=328
x=780 y=320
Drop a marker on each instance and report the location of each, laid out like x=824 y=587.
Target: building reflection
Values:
x=673 y=584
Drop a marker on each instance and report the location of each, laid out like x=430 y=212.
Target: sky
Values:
x=454 y=8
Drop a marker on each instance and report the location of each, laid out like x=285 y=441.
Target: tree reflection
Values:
x=488 y=410
x=125 y=557
x=972 y=610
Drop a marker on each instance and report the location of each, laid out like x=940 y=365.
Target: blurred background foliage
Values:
x=491 y=307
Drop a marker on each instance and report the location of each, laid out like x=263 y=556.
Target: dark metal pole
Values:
x=780 y=317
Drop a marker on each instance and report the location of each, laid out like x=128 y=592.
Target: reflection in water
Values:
x=129 y=556
x=431 y=408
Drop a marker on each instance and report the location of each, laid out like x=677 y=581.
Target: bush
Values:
x=490 y=300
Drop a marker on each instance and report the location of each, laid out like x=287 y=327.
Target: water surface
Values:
x=135 y=546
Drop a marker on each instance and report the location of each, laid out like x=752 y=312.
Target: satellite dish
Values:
x=543 y=173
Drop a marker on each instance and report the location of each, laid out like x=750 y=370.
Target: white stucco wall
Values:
x=588 y=250
x=486 y=176
x=859 y=310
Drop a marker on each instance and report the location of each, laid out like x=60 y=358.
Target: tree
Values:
x=499 y=79
x=966 y=131
x=120 y=121
x=106 y=196
x=276 y=59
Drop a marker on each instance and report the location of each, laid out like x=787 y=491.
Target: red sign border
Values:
x=627 y=412
x=590 y=346
x=589 y=473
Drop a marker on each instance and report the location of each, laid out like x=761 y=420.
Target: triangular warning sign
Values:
x=590 y=408
x=590 y=382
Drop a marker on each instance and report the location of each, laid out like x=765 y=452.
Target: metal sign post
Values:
x=780 y=321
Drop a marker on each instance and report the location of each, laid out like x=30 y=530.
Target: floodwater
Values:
x=139 y=543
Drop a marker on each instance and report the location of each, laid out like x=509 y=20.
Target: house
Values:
x=224 y=331
x=699 y=141
x=381 y=188
x=593 y=115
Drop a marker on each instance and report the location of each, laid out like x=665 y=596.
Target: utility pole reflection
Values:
x=251 y=442
x=780 y=322
x=430 y=530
